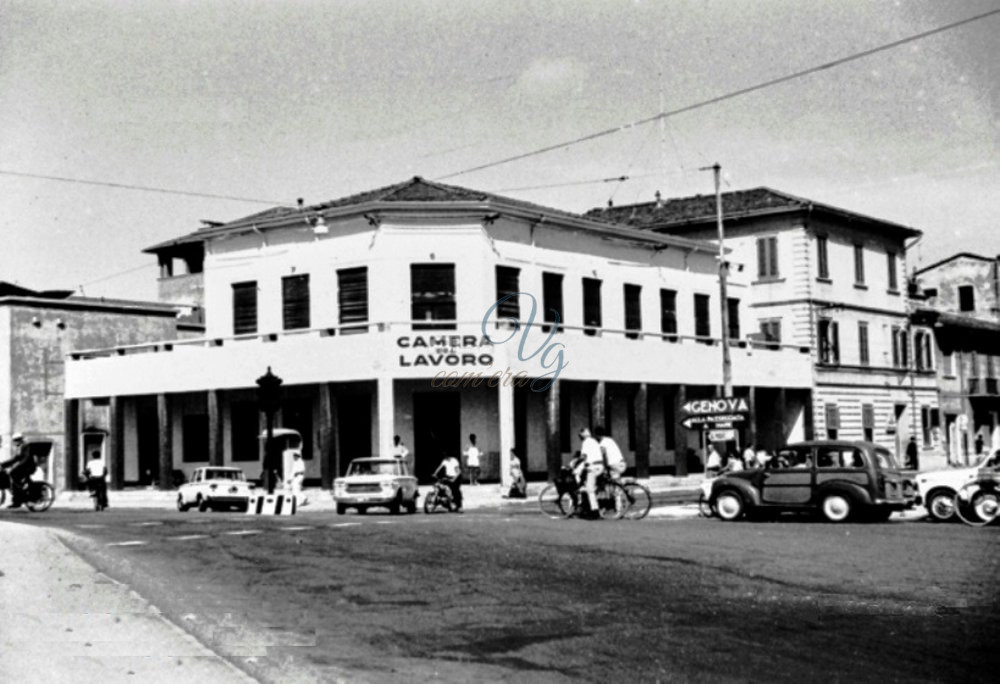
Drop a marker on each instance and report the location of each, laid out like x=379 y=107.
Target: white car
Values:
x=215 y=487
x=382 y=482
x=937 y=488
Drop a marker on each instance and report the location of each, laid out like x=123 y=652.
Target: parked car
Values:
x=384 y=482
x=937 y=488
x=215 y=487
x=839 y=479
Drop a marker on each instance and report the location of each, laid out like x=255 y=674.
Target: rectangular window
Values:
x=829 y=341
x=507 y=284
x=194 y=440
x=352 y=296
x=552 y=299
x=295 y=302
x=895 y=346
x=832 y=421
x=868 y=422
x=966 y=298
x=771 y=330
x=733 y=314
x=432 y=296
x=668 y=314
x=633 y=310
x=893 y=272
x=859 y=265
x=591 y=305
x=949 y=364
x=904 y=348
x=245 y=308
x=244 y=426
x=918 y=350
x=925 y=425
x=863 y=357
x=702 y=322
x=822 y=259
x=973 y=365
x=767 y=257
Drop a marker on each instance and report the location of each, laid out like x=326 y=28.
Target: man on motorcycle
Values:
x=21 y=465
x=452 y=470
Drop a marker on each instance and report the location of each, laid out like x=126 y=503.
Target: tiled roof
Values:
x=672 y=215
x=959 y=255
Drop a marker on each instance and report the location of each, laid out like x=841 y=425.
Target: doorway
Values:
x=436 y=432
x=354 y=418
x=148 y=438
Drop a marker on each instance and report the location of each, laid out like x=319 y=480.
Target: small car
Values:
x=839 y=479
x=215 y=487
x=937 y=488
x=384 y=482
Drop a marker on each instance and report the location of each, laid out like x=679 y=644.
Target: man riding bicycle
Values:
x=452 y=471
x=21 y=465
x=590 y=467
x=614 y=461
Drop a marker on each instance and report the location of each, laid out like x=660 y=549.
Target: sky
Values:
x=263 y=102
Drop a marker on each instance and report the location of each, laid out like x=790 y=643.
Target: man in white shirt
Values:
x=400 y=451
x=298 y=476
x=96 y=473
x=749 y=457
x=593 y=460
x=472 y=454
x=713 y=461
x=614 y=461
x=452 y=474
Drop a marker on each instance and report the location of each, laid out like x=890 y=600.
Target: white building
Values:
x=373 y=308
x=832 y=280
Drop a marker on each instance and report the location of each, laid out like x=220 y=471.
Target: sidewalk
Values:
x=63 y=621
x=475 y=497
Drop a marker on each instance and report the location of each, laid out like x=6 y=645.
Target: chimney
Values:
x=301 y=202
x=659 y=200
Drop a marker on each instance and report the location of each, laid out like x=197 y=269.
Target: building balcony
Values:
x=979 y=387
x=396 y=350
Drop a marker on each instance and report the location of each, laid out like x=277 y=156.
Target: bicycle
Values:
x=440 y=497
x=37 y=496
x=638 y=499
x=565 y=499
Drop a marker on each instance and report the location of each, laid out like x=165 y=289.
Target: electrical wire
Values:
x=721 y=98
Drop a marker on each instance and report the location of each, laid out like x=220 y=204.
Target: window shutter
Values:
x=295 y=302
x=244 y=308
x=832 y=417
x=507 y=284
x=352 y=294
x=633 y=308
x=772 y=244
x=668 y=311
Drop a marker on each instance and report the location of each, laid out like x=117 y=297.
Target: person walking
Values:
x=297 y=478
x=713 y=461
x=472 y=455
x=912 y=454
x=96 y=475
x=518 y=485
x=750 y=457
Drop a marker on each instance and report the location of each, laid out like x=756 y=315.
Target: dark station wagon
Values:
x=840 y=480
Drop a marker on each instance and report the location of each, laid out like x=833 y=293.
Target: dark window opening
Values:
x=733 y=314
x=966 y=298
x=702 y=322
x=591 y=305
x=244 y=428
x=822 y=259
x=432 y=288
x=352 y=297
x=868 y=422
x=295 y=302
x=195 y=438
x=767 y=257
x=859 y=265
x=893 y=271
x=244 y=308
x=832 y=421
x=863 y=357
x=507 y=284
x=633 y=310
x=668 y=314
x=771 y=331
x=829 y=341
x=552 y=300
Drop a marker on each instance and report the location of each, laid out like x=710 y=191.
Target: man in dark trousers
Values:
x=911 y=454
x=22 y=465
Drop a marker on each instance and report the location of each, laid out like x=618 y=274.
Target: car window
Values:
x=793 y=458
x=839 y=457
x=885 y=459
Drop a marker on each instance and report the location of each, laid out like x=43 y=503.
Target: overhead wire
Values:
x=721 y=98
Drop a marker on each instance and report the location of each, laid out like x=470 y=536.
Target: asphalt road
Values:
x=492 y=597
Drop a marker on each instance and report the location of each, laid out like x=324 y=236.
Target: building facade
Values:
x=960 y=302
x=38 y=329
x=833 y=281
x=431 y=312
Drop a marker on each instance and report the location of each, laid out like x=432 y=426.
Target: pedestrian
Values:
x=96 y=475
x=22 y=465
x=297 y=477
x=979 y=444
x=591 y=461
x=734 y=463
x=911 y=454
x=713 y=461
x=750 y=457
x=518 y=485
x=763 y=457
x=400 y=452
x=472 y=454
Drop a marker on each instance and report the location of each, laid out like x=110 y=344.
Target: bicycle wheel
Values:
x=611 y=501
x=638 y=501
x=43 y=497
x=555 y=504
x=430 y=502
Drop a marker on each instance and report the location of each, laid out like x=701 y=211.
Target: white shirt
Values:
x=714 y=459
x=749 y=457
x=96 y=468
x=400 y=451
x=451 y=466
x=612 y=452
x=591 y=451
x=472 y=456
x=298 y=468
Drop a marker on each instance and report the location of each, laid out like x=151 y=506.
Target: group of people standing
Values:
x=753 y=456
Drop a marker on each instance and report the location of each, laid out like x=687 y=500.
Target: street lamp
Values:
x=269 y=400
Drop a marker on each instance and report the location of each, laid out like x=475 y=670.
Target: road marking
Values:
x=350 y=524
x=146 y=524
x=242 y=533
x=91 y=527
x=186 y=537
x=128 y=543
x=297 y=529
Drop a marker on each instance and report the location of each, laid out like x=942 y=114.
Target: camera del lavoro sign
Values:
x=444 y=350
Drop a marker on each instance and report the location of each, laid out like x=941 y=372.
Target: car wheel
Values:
x=411 y=506
x=836 y=508
x=341 y=509
x=202 y=504
x=941 y=505
x=362 y=510
x=729 y=505
x=181 y=506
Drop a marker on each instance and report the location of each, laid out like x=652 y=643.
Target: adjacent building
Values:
x=830 y=280
x=38 y=329
x=433 y=311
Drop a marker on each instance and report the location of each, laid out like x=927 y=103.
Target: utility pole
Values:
x=727 y=369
